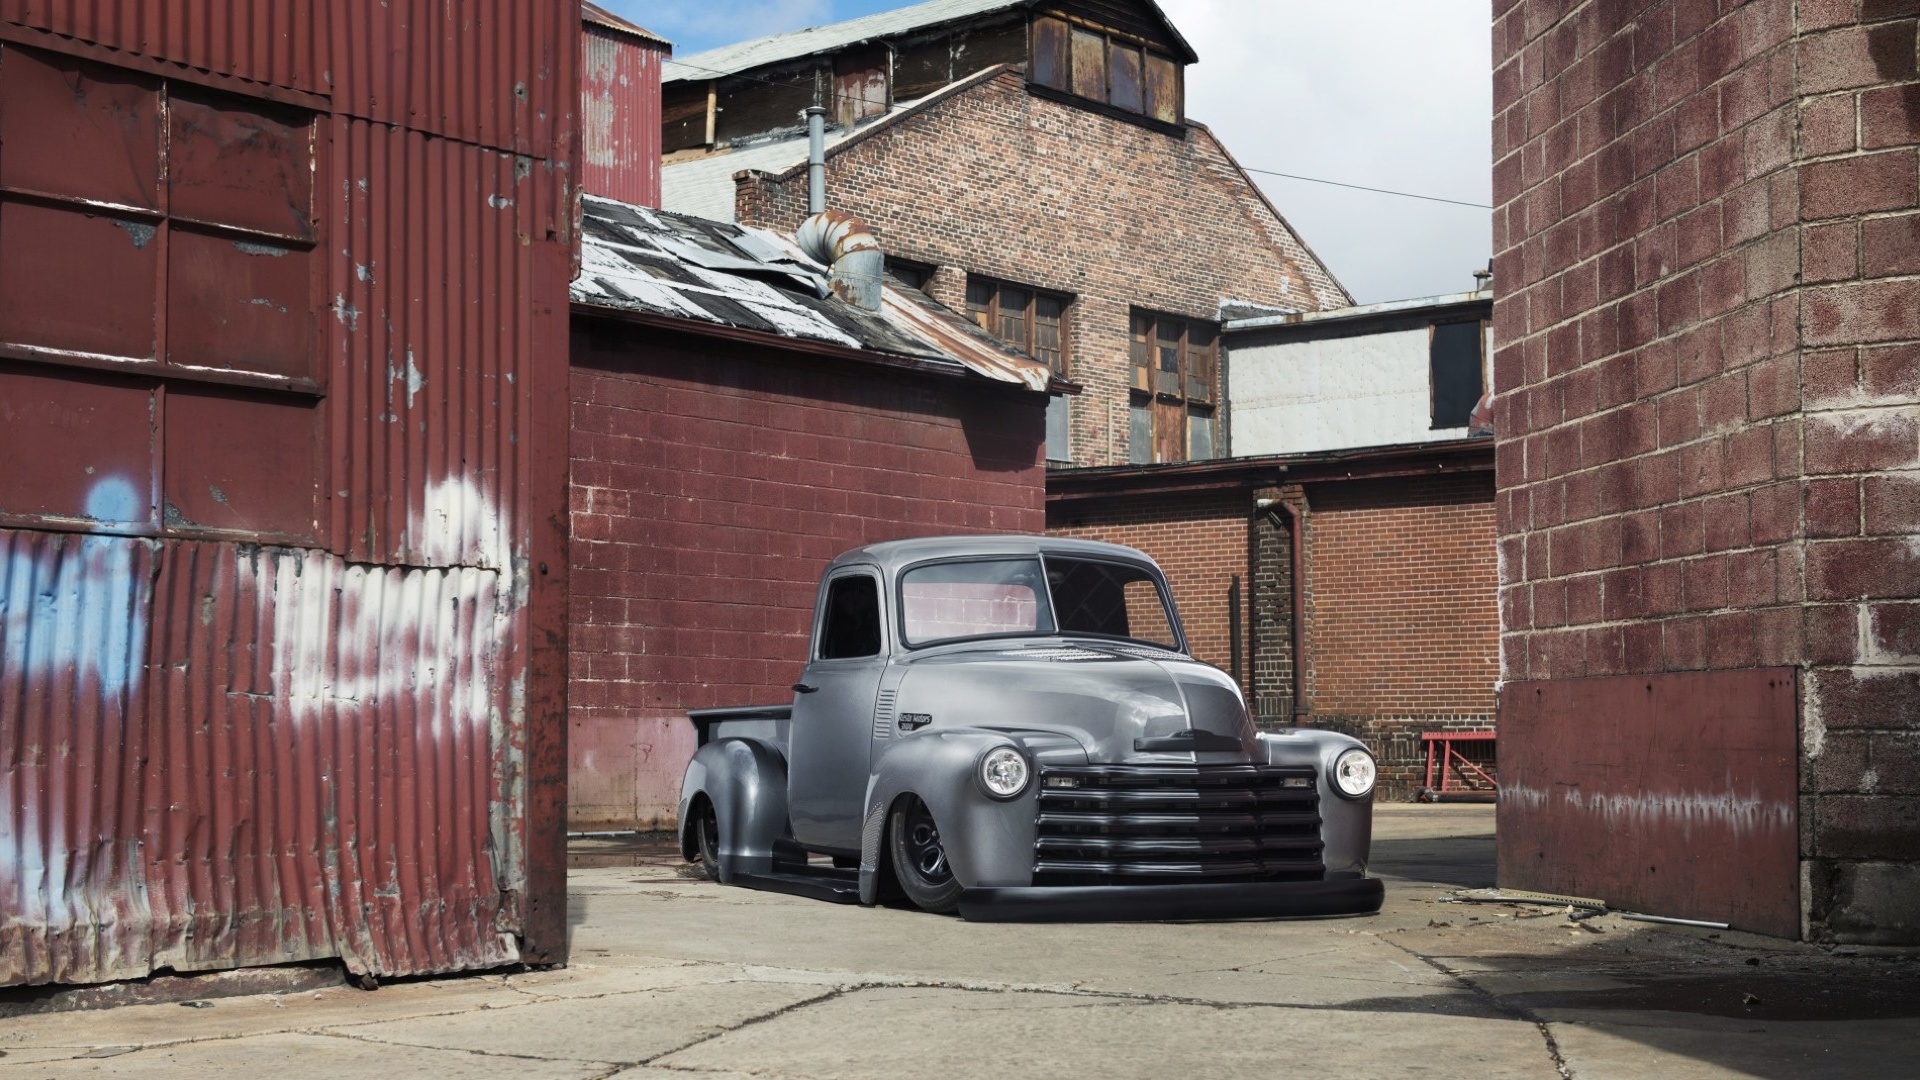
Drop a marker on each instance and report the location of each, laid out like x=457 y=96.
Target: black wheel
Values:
x=919 y=861
x=706 y=840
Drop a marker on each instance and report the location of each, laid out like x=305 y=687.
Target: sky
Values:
x=1392 y=94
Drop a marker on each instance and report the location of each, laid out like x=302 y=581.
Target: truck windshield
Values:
x=994 y=597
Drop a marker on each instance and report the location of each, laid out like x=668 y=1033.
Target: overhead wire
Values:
x=886 y=105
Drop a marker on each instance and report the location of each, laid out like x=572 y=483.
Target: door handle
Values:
x=803 y=688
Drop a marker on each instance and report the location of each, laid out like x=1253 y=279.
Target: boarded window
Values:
x=1089 y=65
x=1028 y=319
x=1124 y=78
x=1175 y=388
x=1456 y=369
x=1163 y=89
x=1050 y=66
x=1106 y=65
x=184 y=319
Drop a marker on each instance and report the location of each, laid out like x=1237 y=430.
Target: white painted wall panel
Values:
x=1333 y=394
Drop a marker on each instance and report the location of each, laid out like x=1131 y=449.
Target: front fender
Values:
x=988 y=841
x=746 y=781
x=1346 y=825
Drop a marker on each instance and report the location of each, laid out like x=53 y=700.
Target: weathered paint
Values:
x=224 y=743
x=1666 y=794
x=620 y=115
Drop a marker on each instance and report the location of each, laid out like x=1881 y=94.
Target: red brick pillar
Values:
x=1709 y=458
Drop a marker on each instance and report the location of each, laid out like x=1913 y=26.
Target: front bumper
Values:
x=1163 y=903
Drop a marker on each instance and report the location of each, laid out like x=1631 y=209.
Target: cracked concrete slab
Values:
x=1680 y=1047
x=962 y=1035
x=627 y=1028
x=249 y=1058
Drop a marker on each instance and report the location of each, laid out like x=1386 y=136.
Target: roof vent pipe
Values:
x=816 y=159
x=844 y=243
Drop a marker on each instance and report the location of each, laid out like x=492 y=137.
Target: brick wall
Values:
x=998 y=182
x=711 y=485
x=1402 y=621
x=1200 y=542
x=1707 y=383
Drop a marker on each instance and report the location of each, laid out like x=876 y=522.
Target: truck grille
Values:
x=1158 y=824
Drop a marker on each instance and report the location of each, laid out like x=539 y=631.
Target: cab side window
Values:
x=851 y=628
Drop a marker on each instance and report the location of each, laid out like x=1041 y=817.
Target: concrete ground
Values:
x=674 y=976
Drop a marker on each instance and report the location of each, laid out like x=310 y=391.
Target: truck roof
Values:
x=894 y=554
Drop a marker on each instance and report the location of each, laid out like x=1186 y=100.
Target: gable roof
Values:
x=662 y=264
x=592 y=14
x=759 y=52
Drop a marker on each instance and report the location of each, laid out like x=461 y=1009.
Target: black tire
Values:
x=706 y=841
x=919 y=860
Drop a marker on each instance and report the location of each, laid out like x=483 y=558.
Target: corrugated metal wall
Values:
x=620 y=116
x=215 y=751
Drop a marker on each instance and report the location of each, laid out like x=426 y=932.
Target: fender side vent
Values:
x=883 y=714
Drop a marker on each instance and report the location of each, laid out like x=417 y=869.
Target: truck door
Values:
x=831 y=744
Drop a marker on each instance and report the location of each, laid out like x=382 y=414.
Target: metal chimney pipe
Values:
x=816 y=159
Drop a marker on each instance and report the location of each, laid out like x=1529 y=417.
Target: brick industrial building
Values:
x=1709 y=429
x=1031 y=163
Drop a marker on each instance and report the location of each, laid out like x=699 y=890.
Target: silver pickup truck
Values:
x=1012 y=727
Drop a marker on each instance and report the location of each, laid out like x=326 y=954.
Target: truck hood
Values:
x=1121 y=701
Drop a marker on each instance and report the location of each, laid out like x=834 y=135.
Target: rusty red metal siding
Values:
x=275 y=613
x=620 y=116
x=1673 y=794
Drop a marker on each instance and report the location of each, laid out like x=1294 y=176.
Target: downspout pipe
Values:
x=1296 y=528
x=816 y=159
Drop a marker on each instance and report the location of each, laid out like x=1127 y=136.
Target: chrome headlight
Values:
x=1353 y=773
x=1004 y=772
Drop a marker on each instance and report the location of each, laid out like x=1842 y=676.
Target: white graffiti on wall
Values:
x=1650 y=813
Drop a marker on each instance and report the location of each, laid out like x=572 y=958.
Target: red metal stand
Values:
x=1441 y=753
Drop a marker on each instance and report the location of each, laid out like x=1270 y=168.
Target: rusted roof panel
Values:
x=745 y=278
x=595 y=15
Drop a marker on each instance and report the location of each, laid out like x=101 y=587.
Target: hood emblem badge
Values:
x=1187 y=741
x=914 y=721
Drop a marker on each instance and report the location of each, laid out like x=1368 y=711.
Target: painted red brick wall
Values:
x=1709 y=405
x=1200 y=542
x=711 y=485
x=1000 y=182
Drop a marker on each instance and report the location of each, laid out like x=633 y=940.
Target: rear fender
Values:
x=746 y=782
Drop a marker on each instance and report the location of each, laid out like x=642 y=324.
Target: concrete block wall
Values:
x=998 y=182
x=1708 y=387
x=711 y=485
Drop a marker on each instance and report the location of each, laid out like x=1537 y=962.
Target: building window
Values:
x=1024 y=318
x=1102 y=67
x=914 y=275
x=1175 y=388
x=160 y=263
x=1457 y=366
x=1036 y=322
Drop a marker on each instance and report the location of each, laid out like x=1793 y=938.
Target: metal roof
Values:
x=594 y=15
x=1342 y=314
x=746 y=55
x=666 y=264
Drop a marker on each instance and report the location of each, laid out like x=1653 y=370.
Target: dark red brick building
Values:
x=1709 y=459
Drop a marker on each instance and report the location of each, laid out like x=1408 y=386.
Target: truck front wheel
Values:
x=919 y=860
